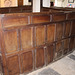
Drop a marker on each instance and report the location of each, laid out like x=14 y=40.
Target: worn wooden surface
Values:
x=29 y=41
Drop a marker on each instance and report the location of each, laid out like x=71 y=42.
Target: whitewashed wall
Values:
x=46 y=3
x=36 y=5
x=63 y=4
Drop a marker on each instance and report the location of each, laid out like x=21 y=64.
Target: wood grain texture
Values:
x=50 y=53
x=41 y=19
x=40 y=35
x=73 y=28
x=58 y=49
x=67 y=29
x=13 y=65
x=58 y=17
x=14 y=21
x=31 y=40
x=71 y=45
x=20 y=3
x=26 y=38
x=59 y=31
x=71 y=16
x=65 y=46
x=40 y=60
x=58 y=46
x=66 y=43
x=50 y=33
x=10 y=39
x=27 y=62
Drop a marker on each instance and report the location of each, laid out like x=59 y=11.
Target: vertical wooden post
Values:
x=2 y=48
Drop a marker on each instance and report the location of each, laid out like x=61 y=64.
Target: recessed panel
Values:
x=26 y=38
x=14 y=21
x=67 y=29
x=50 y=33
x=50 y=53
x=40 y=35
x=41 y=19
x=40 y=57
x=11 y=41
x=26 y=61
x=59 y=31
x=13 y=65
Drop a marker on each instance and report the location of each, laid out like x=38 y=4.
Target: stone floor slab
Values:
x=48 y=71
x=72 y=57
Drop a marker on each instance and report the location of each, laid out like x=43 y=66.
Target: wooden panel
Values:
x=71 y=44
x=59 y=50
x=58 y=17
x=40 y=57
x=59 y=31
x=50 y=33
x=14 y=21
x=10 y=38
x=73 y=28
x=20 y=2
x=27 y=38
x=13 y=65
x=58 y=46
x=67 y=29
x=26 y=61
x=71 y=15
x=41 y=19
x=4 y=10
x=50 y=53
x=15 y=9
x=66 y=46
x=66 y=43
x=40 y=35
x=74 y=41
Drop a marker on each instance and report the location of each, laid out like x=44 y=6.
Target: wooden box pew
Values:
x=26 y=36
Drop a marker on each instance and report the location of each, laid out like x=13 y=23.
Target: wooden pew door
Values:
x=20 y=2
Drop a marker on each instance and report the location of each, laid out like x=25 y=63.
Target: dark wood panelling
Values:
x=20 y=2
x=71 y=16
x=71 y=45
x=59 y=31
x=15 y=9
x=58 y=49
x=41 y=19
x=66 y=46
x=66 y=43
x=39 y=60
x=67 y=29
x=12 y=45
x=27 y=62
x=58 y=17
x=40 y=35
x=58 y=46
x=26 y=38
x=50 y=33
x=32 y=40
x=50 y=53
x=73 y=28
x=13 y=65
x=14 y=21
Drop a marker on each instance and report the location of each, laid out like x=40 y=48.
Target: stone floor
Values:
x=64 y=66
